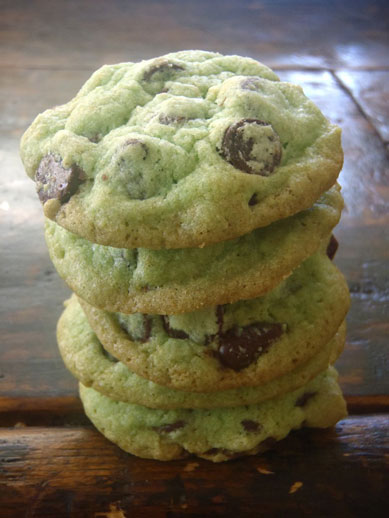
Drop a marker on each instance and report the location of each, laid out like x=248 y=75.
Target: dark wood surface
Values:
x=52 y=463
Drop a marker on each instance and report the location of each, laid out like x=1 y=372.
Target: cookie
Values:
x=86 y=358
x=218 y=434
x=248 y=343
x=184 y=150
x=178 y=281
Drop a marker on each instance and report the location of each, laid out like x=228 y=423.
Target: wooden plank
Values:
x=370 y=89
x=76 y=472
x=364 y=177
x=363 y=234
x=63 y=35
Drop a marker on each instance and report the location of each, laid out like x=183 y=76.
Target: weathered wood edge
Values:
x=47 y=472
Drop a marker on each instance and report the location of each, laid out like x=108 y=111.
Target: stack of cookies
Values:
x=189 y=203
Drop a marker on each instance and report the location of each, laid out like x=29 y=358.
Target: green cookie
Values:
x=248 y=343
x=177 y=281
x=86 y=358
x=184 y=150
x=218 y=434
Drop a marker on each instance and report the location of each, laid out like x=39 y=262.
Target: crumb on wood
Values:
x=264 y=471
x=295 y=487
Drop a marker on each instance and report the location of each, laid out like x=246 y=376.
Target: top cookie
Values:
x=180 y=151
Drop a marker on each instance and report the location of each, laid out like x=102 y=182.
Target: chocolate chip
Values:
x=171 y=119
x=240 y=347
x=173 y=333
x=161 y=66
x=171 y=427
x=252 y=146
x=332 y=247
x=251 y=426
x=303 y=400
x=54 y=181
x=253 y=200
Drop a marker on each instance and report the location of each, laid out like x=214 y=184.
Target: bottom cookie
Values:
x=217 y=434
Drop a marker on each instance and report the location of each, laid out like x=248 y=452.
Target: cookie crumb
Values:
x=264 y=471
x=295 y=487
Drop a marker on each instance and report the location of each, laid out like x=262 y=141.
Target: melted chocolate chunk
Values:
x=173 y=333
x=251 y=426
x=171 y=427
x=332 y=247
x=161 y=65
x=240 y=151
x=240 y=347
x=54 y=181
x=303 y=400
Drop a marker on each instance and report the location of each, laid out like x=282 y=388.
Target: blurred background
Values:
x=338 y=52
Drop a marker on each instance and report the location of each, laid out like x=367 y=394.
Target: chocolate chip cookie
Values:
x=248 y=343
x=177 y=281
x=184 y=150
x=87 y=359
x=217 y=434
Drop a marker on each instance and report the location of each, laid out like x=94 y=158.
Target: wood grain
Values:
x=76 y=472
x=370 y=89
x=320 y=34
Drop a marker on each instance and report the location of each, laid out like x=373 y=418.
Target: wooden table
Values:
x=52 y=462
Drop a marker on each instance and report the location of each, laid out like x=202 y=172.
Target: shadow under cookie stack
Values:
x=190 y=201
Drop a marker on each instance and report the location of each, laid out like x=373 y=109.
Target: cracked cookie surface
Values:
x=184 y=150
